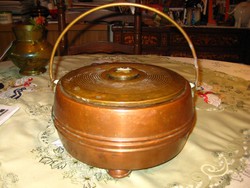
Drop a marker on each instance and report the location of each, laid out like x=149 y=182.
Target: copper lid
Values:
x=123 y=84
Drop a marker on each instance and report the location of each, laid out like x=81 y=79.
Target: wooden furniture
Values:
x=228 y=44
x=219 y=43
x=94 y=32
x=103 y=15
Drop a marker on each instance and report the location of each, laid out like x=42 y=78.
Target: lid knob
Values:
x=123 y=73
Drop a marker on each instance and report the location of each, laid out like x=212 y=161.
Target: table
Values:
x=216 y=153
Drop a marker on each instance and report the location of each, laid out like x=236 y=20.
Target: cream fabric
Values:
x=215 y=155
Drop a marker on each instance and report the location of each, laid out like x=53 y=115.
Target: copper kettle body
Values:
x=123 y=122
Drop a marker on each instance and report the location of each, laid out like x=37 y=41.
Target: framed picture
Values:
x=217 y=11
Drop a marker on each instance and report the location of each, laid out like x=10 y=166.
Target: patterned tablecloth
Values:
x=215 y=155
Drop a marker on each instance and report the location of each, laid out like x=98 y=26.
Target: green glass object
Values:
x=30 y=51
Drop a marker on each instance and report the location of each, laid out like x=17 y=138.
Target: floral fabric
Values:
x=215 y=155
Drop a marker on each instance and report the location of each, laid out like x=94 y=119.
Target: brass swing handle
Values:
x=120 y=5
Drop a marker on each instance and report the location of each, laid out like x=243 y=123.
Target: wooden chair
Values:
x=107 y=16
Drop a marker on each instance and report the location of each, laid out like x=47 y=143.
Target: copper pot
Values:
x=123 y=116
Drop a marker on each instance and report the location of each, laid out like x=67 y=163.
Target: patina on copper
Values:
x=123 y=116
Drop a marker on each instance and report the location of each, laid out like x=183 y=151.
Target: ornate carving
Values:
x=150 y=40
x=210 y=43
x=129 y=39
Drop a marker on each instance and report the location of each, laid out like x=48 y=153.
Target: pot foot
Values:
x=119 y=173
x=33 y=72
